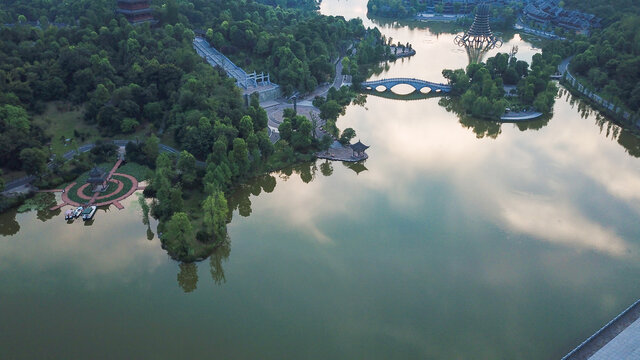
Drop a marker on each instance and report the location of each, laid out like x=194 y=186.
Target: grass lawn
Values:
x=73 y=192
x=111 y=187
x=60 y=120
x=136 y=170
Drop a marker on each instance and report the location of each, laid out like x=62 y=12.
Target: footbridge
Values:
x=215 y=58
x=415 y=83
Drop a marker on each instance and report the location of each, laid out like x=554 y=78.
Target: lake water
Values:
x=456 y=239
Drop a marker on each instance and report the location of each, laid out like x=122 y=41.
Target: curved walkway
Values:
x=67 y=201
x=521 y=116
x=82 y=195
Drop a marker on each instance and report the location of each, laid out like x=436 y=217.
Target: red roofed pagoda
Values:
x=136 y=11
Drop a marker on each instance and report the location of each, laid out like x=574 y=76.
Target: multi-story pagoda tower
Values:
x=136 y=11
x=479 y=39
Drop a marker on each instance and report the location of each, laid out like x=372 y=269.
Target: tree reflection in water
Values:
x=188 y=277
x=48 y=201
x=8 y=223
x=220 y=254
x=326 y=168
x=240 y=200
x=628 y=138
x=483 y=128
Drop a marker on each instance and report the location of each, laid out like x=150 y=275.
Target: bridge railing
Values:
x=233 y=70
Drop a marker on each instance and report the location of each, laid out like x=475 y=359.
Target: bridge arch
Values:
x=417 y=84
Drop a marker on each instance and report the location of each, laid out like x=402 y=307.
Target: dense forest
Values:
x=147 y=82
x=609 y=61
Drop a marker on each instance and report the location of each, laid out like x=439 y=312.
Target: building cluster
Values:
x=460 y=6
x=547 y=12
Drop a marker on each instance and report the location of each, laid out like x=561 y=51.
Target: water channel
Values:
x=456 y=239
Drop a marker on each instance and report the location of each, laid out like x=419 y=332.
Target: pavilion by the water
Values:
x=98 y=179
x=359 y=149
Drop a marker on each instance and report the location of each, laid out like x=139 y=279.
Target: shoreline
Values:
x=520 y=116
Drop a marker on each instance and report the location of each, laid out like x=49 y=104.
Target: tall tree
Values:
x=178 y=235
x=34 y=161
x=215 y=211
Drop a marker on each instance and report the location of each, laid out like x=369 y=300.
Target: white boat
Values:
x=68 y=215
x=77 y=211
x=88 y=212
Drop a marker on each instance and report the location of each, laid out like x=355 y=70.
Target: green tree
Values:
x=286 y=130
x=241 y=155
x=128 y=125
x=34 y=161
x=151 y=149
x=330 y=110
x=215 y=211
x=301 y=139
x=178 y=235
x=246 y=126
x=187 y=167
x=14 y=117
x=347 y=135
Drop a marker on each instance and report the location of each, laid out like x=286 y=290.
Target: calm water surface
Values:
x=457 y=239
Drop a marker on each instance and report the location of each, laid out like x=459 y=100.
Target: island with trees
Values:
x=480 y=89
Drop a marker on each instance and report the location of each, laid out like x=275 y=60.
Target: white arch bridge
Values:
x=415 y=83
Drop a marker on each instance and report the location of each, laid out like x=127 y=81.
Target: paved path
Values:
x=98 y=195
x=275 y=109
x=564 y=65
x=624 y=346
x=520 y=116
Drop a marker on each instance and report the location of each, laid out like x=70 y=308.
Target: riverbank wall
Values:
x=606 y=334
x=606 y=106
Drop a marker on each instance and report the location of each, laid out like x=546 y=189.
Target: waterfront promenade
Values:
x=617 y=340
